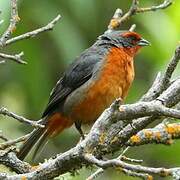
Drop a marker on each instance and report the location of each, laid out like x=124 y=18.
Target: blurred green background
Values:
x=25 y=89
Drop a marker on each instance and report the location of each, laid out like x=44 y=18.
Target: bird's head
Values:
x=130 y=41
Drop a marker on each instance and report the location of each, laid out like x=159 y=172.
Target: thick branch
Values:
x=170 y=97
x=67 y=161
x=161 y=134
x=9 y=159
x=141 y=109
x=94 y=142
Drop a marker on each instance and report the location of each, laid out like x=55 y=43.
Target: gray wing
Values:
x=77 y=74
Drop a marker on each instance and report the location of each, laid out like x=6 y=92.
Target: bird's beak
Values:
x=143 y=42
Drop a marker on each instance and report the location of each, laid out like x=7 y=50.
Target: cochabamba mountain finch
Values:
x=92 y=82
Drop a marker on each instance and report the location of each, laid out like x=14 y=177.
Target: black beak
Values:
x=143 y=42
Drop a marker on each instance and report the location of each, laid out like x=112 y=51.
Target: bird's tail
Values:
x=30 y=142
x=53 y=126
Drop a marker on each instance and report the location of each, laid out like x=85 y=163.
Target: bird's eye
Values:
x=133 y=38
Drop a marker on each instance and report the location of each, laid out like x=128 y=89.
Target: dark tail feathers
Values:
x=30 y=142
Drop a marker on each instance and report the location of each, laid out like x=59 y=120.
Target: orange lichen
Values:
x=23 y=178
x=135 y=139
x=149 y=177
x=178 y=128
x=114 y=23
x=102 y=138
x=33 y=168
x=157 y=135
x=148 y=134
x=173 y=129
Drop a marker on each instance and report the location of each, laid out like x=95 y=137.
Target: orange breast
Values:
x=114 y=81
x=57 y=123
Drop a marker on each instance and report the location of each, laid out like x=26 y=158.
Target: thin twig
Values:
x=2 y=62
x=16 y=57
x=124 y=158
x=132 y=28
x=9 y=143
x=1 y=22
x=100 y=171
x=21 y=119
x=164 y=5
x=162 y=81
x=13 y=21
x=3 y=137
x=135 y=168
x=135 y=174
x=96 y=174
x=32 y=34
x=119 y=18
x=171 y=67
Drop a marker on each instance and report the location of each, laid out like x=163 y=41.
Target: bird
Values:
x=101 y=74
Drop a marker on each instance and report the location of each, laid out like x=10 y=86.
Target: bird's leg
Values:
x=78 y=127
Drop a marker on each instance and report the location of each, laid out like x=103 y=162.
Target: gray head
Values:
x=126 y=39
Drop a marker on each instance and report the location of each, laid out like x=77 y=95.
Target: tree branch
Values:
x=161 y=134
x=101 y=170
x=98 y=142
x=21 y=119
x=16 y=57
x=3 y=137
x=162 y=81
x=119 y=18
x=164 y=172
x=9 y=159
x=34 y=33
x=6 y=40
x=9 y=143
x=13 y=21
x=115 y=127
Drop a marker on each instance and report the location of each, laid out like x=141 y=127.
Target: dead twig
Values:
x=34 y=33
x=16 y=57
x=13 y=21
x=21 y=119
x=119 y=18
